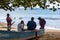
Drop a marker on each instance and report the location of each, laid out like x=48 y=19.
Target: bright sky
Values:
x=51 y=5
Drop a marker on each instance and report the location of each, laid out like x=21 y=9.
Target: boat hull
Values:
x=22 y=35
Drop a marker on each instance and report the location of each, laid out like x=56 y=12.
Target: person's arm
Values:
x=10 y=19
x=27 y=23
x=44 y=21
x=35 y=25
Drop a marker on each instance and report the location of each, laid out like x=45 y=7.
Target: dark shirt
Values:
x=42 y=22
x=9 y=20
x=31 y=25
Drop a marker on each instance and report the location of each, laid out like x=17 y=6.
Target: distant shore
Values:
x=49 y=33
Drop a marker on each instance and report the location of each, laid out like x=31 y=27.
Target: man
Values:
x=42 y=22
x=21 y=26
x=9 y=20
x=31 y=25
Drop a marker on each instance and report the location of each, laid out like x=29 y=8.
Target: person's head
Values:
x=8 y=15
x=32 y=18
x=39 y=18
x=22 y=22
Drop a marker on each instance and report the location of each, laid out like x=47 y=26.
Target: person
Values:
x=21 y=26
x=9 y=20
x=31 y=25
x=42 y=22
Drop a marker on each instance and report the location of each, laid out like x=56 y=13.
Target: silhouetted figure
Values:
x=42 y=22
x=21 y=26
x=9 y=20
x=31 y=25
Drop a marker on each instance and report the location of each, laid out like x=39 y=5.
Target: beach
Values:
x=50 y=34
x=52 y=27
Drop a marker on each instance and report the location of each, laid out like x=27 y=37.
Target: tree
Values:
x=11 y=4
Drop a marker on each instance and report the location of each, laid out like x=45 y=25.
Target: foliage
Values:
x=11 y=4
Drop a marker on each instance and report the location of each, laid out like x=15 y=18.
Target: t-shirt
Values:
x=42 y=22
x=31 y=25
x=9 y=20
x=20 y=27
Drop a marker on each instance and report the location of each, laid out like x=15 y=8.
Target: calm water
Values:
x=52 y=18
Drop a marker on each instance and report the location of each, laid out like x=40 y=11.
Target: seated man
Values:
x=21 y=26
x=31 y=25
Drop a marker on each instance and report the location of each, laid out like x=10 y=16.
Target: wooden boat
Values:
x=21 y=35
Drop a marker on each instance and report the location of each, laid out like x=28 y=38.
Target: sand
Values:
x=49 y=34
x=3 y=26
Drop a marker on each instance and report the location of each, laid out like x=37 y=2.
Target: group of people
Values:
x=31 y=25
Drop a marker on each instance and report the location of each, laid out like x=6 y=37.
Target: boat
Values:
x=21 y=35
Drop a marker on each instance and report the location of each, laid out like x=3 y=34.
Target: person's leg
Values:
x=42 y=27
x=8 y=28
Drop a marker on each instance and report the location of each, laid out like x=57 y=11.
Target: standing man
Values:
x=31 y=25
x=42 y=22
x=9 y=20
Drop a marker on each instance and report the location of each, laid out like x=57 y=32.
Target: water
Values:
x=52 y=18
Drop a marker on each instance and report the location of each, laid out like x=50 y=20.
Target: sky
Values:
x=51 y=4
